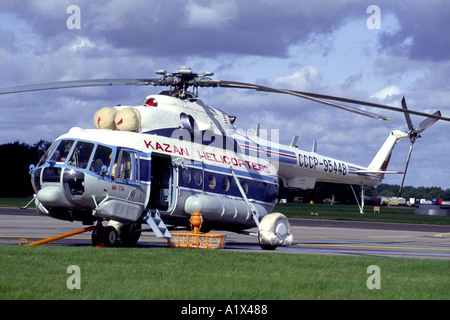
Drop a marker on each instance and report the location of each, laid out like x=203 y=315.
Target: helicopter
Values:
x=156 y=163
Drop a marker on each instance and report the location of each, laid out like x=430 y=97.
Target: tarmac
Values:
x=311 y=236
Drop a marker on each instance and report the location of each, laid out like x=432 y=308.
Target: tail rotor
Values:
x=414 y=134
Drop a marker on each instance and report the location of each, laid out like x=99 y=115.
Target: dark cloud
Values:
x=423 y=32
x=185 y=28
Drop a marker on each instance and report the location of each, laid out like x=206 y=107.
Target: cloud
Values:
x=304 y=79
x=421 y=35
x=321 y=47
x=386 y=93
x=218 y=15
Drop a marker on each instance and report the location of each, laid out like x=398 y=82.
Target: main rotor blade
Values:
x=242 y=85
x=80 y=84
x=375 y=105
x=233 y=84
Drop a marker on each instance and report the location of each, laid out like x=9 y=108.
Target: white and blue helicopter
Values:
x=158 y=162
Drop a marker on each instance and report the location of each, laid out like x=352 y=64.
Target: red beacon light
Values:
x=151 y=102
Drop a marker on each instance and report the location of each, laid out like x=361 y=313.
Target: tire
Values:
x=266 y=246
x=104 y=237
x=110 y=236
x=130 y=233
x=97 y=237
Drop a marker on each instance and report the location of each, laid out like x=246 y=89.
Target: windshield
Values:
x=47 y=153
x=62 y=151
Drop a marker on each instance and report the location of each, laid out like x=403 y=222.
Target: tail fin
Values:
x=381 y=160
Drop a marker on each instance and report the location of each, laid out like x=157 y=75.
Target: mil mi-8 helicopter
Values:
x=158 y=162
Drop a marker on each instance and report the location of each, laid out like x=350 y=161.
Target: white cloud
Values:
x=387 y=92
x=216 y=16
x=304 y=79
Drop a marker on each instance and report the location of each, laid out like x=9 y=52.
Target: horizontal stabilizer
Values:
x=379 y=171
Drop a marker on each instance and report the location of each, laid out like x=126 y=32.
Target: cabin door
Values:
x=161 y=191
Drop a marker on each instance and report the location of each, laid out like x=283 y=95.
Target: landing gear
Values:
x=130 y=233
x=116 y=233
x=104 y=237
x=360 y=205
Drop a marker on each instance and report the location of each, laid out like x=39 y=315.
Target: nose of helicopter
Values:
x=52 y=196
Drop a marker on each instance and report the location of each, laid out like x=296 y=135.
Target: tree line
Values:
x=16 y=157
x=343 y=193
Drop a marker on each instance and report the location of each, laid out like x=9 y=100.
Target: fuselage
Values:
x=175 y=156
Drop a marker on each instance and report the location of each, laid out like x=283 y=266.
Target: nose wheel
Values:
x=104 y=237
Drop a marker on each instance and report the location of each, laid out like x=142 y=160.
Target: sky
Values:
x=375 y=50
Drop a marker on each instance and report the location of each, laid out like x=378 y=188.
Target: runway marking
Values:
x=410 y=236
x=441 y=235
x=371 y=246
x=81 y=238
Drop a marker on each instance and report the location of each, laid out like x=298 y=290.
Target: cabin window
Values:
x=81 y=155
x=244 y=186
x=226 y=184
x=102 y=157
x=211 y=181
x=128 y=169
x=198 y=178
x=186 y=176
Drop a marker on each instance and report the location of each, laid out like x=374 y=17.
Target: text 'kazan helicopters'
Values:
x=158 y=162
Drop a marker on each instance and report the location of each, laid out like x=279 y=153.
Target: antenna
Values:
x=294 y=141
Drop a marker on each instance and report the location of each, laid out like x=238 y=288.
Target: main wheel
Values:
x=97 y=237
x=110 y=236
x=130 y=233
x=104 y=237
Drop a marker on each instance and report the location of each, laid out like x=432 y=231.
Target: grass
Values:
x=158 y=273
x=15 y=202
x=161 y=273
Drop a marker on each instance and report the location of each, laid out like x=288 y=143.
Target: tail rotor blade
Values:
x=407 y=116
x=428 y=121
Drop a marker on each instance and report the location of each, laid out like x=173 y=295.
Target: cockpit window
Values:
x=102 y=157
x=47 y=153
x=62 y=151
x=128 y=166
x=81 y=154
